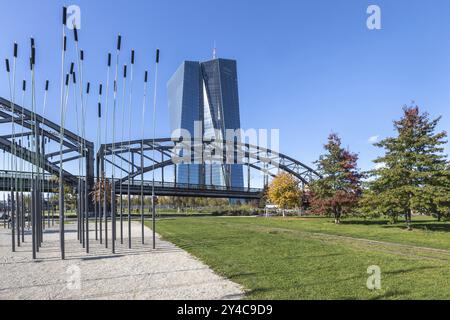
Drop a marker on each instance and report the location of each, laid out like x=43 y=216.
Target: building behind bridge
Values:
x=206 y=92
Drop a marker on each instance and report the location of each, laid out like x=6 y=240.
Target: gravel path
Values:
x=139 y=273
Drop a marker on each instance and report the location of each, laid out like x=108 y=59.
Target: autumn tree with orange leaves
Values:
x=98 y=193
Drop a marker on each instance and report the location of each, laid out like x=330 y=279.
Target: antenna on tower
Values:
x=214 y=50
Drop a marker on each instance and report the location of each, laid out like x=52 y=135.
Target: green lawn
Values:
x=311 y=258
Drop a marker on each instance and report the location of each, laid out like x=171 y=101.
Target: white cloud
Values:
x=374 y=139
x=379 y=166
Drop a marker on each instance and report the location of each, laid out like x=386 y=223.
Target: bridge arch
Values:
x=253 y=157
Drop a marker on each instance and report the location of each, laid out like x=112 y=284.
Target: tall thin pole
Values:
x=99 y=174
x=80 y=233
x=35 y=162
x=21 y=215
x=81 y=214
x=62 y=109
x=153 y=169
x=13 y=142
x=43 y=153
x=86 y=195
x=113 y=189
x=142 y=155
x=121 y=147
x=100 y=177
x=130 y=109
x=105 y=196
x=14 y=213
x=41 y=167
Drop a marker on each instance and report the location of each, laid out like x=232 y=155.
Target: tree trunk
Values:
x=395 y=219
x=337 y=216
x=408 y=219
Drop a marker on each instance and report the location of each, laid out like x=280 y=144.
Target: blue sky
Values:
x=305 y=67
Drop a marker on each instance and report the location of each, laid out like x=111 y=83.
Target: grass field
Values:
x=311 y=258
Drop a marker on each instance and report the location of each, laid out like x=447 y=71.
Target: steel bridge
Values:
x=32 y=128
x=50 y=185
x=132 y=159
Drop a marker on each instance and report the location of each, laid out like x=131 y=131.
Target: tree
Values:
x=263 y=197
x=442 y=197
x=339 y=189
x=98 y=193
x=413 y=175
x=285 y=192
x=70 y=197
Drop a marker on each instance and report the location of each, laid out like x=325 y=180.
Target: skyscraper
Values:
x=206 y=92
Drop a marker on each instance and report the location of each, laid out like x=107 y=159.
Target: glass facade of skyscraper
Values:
x=206 y=92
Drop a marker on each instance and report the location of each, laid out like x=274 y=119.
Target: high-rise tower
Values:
x=206 y=92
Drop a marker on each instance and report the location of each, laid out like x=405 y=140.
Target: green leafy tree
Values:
x=339 y=190
x=70 y=196
x=442 y=197
x=412 y=176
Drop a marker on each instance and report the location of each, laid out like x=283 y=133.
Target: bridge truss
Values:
x=46 y=155
x=34 y=146
x=138 y=157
